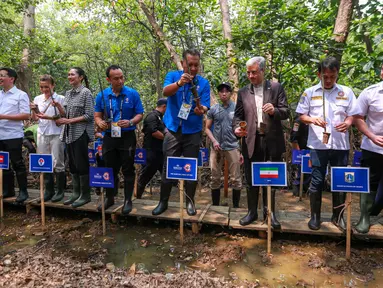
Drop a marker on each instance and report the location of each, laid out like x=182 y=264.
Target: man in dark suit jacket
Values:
x=263 y=105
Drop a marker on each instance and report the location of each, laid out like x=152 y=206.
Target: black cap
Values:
x=224 y=84
x=162 y=101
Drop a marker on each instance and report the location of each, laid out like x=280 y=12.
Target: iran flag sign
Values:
x=268 y=172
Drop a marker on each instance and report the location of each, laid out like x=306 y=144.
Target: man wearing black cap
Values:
x=225 y=145
x=154 y=137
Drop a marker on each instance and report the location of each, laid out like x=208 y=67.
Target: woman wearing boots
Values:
x=48 y=136
x=77 y=118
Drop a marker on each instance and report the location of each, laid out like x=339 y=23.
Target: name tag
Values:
x=184 y=111
x=116 y=130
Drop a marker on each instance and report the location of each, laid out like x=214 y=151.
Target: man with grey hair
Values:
x=262 y=105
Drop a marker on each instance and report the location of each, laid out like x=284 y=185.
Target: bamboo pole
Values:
x=103 y=212
x=199 y=172
x=268 y=220
x=226 y=179
x=42 y=199
x=301 y=184
x=1 y=195
x=182 y=211
x=348 y=231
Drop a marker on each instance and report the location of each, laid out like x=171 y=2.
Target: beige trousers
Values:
x=217 y=159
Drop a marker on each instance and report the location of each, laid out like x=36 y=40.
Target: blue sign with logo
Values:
x=91 y=156
x=101 y=177
x=203 y=156
x=181 y=168
x=356 y=160
x=41 y=163
x=268 y=174
x=297 y=156
x=4 y=160
x=140 y=157
x=350 y=179
x=306 y=165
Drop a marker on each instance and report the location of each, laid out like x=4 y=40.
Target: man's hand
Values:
x=318 y=121
x=295 y=145
x=268 y=108
x=378 y=140
x=32 y=106
x=239 y=132
x=342 y=127
x=43 y=116
x=63 y=121
x=216 y=146
x=102 y=125
x=199 y=111
x=241 y=160
x=123 y=123
x=185 y=78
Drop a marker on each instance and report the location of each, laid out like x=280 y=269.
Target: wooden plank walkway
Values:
x=291 y=221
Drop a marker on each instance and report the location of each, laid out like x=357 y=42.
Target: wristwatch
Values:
x=131 y=123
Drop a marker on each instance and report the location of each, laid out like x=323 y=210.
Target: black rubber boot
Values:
x=162 y=206
x=140 y=192
x=85 y=192
x=337 y=219
x=252 y=206
x=366 y=203
x=23 y=192
x=274 y=221
x=49 y=187
x=60 y=182
x=8 y=184
x=76 y=189
x=315 y=205
x=128 y=192
x=190 y=204
x=109 y=199
x=236 y=198
x=215 y=196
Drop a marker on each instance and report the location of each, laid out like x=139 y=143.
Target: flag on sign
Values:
x=268 y=172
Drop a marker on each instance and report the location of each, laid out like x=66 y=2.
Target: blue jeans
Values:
x=320 y=160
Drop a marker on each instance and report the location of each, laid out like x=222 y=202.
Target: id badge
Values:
x=116 y=130
x=184 y=111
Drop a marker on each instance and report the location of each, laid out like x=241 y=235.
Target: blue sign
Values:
x=268 y=174
x=140 y=157
x=306 y=165
x=41 y=163
x=91 y=156
x=297 y=156
x=181 y=168
x=4 y=160
x=203 y=156
x=350 y=179
x=356 y=160
x=101 y=177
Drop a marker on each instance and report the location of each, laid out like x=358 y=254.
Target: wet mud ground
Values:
x=71 y=252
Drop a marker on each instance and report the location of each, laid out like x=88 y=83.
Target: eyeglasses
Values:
x=3 y=76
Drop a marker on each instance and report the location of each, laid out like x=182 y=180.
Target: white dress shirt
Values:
x=46 y=126
x=13 y=102
x=258 y=95
x=340 y=102
x=370 y=104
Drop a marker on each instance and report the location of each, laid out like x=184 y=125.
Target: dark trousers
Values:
x=320 y=160
x=14 y=147
x=154 y=163
x=375 y=162
x=175 y=145
x=119 y=152
x=78 y=155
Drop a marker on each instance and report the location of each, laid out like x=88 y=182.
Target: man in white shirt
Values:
x=328 y=109
x=48 y=136
x=14 y=108
x=370 y=105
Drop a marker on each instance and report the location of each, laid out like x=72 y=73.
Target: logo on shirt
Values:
x=304 y=94
x=349 y=177
x=41 y=162
x=187 y=168
x=341 y=93
x=126 y=100
x=106 y=176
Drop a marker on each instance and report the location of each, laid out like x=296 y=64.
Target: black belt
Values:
x=122 y=133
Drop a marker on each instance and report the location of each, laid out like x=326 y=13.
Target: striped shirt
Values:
x=78 y=102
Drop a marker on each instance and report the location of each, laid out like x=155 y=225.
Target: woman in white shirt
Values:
x=48 y=136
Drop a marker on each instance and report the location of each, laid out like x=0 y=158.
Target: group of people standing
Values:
x=247 y=131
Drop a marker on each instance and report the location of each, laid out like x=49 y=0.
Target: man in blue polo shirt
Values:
x=183 y=120
x=117 y=112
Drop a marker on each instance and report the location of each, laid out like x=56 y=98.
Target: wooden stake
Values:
x=151 y=186
x=226 y=179
x=348 y=231
x=182 y=211
x=199 y=180
x=1 y=195
x=103 y=212
x=42 y=199
x=268 y=220
x=301 y=185
x=136 y=181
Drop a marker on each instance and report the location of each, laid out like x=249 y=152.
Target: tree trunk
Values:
x=25 y=72
x=342 y=25
x=366 y=38
x=157 y=61
x=158 y=32
x=233 y=73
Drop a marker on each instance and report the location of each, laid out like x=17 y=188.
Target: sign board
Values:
x=350 y=179
x=91 y=156
x=181 y=168
x=203 y=156
x=297 y=156
x=306 y=165
x=4 y=160
x=140 y=156
x=40 y=163
x=101 y=177
x=357 y=157
x=268 y=174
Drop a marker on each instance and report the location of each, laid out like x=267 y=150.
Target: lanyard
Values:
x=111 y=108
